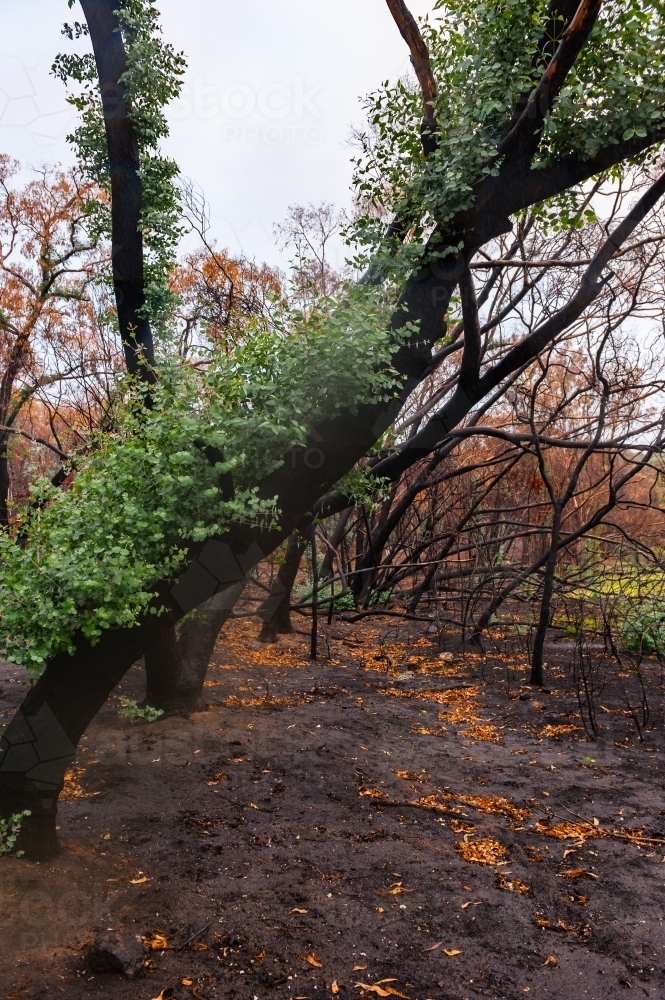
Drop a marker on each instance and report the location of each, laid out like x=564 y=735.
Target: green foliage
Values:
x=642 y=628
x=9 y=832
x=363 y=489
x=380 y=597
x=131 y=711
x=153 y=79
x=346 y=602
x=90 y=557
x=485 y=56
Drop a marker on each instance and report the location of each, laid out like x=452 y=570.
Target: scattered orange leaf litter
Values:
x=72 y=788
x=486 y=851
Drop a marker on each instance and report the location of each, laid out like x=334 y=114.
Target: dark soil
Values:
x=271 y=843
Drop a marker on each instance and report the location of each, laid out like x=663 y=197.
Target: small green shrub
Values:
x=380 y=597
x=9 y=832
x=642 y=629
x=346 y=602
x=132 y=712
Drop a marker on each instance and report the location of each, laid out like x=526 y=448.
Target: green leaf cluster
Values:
x=132 y=712
x=485 y=57
x=9 y=832
x=153 y=78
x=90 y=557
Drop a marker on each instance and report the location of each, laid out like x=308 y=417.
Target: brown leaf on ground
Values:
x=483 y=732
x=457 y=826
x=576 y=873
x=410 y=775
x=570 y=831
x=370 y=793
x=296 y=910
x=495 y=805
x=451 y=696
x=433 y=947
x=439 y=803
x=157 y=942
x=555 y=731
x=334 y=988
x=396 y=890
x=428 y=730
x=71 y=788
x=512 y=884
x=382 y=990
x=312 y=959
x=551 y=960
x=451 y=952
x=482 y=852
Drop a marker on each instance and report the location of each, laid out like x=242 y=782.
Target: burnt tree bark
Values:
x=276 y=609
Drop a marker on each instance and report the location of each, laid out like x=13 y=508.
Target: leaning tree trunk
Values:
x=176 y=665
x=39 y=744
x=276 y=609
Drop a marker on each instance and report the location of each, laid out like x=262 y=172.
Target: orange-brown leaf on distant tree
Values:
x=58 y=350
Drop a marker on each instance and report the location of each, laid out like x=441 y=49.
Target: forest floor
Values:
x=375 y=823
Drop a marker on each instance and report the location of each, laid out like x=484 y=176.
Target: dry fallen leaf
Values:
x=466 y=905
x=186 y=982
x=512 y=884
x=334 y=988
x=199 y=946
x=138 y=881
x=359 y=968
x=379 y=989
x=156 y=943
x=451 y=952
x=576 y=873
x=396 y=890
x=551 y=960
x=433 y=947
x=166 y=994
x=313 y=960
x=296 y=910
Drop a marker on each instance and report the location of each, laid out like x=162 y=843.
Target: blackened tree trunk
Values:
x=176 y=665
x=276 y=609
x=546 y=601
x=5 y=481
x=39 y=744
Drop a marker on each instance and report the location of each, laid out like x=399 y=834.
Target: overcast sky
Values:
x=272 y=89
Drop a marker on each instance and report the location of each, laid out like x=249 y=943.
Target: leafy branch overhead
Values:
x=600 y=96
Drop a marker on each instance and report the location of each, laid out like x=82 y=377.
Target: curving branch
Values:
x=422 y=65
x=521 y=133
x=36 y=440
x=520 y=356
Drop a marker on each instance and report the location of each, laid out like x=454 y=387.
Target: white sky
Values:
x=272 y=89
